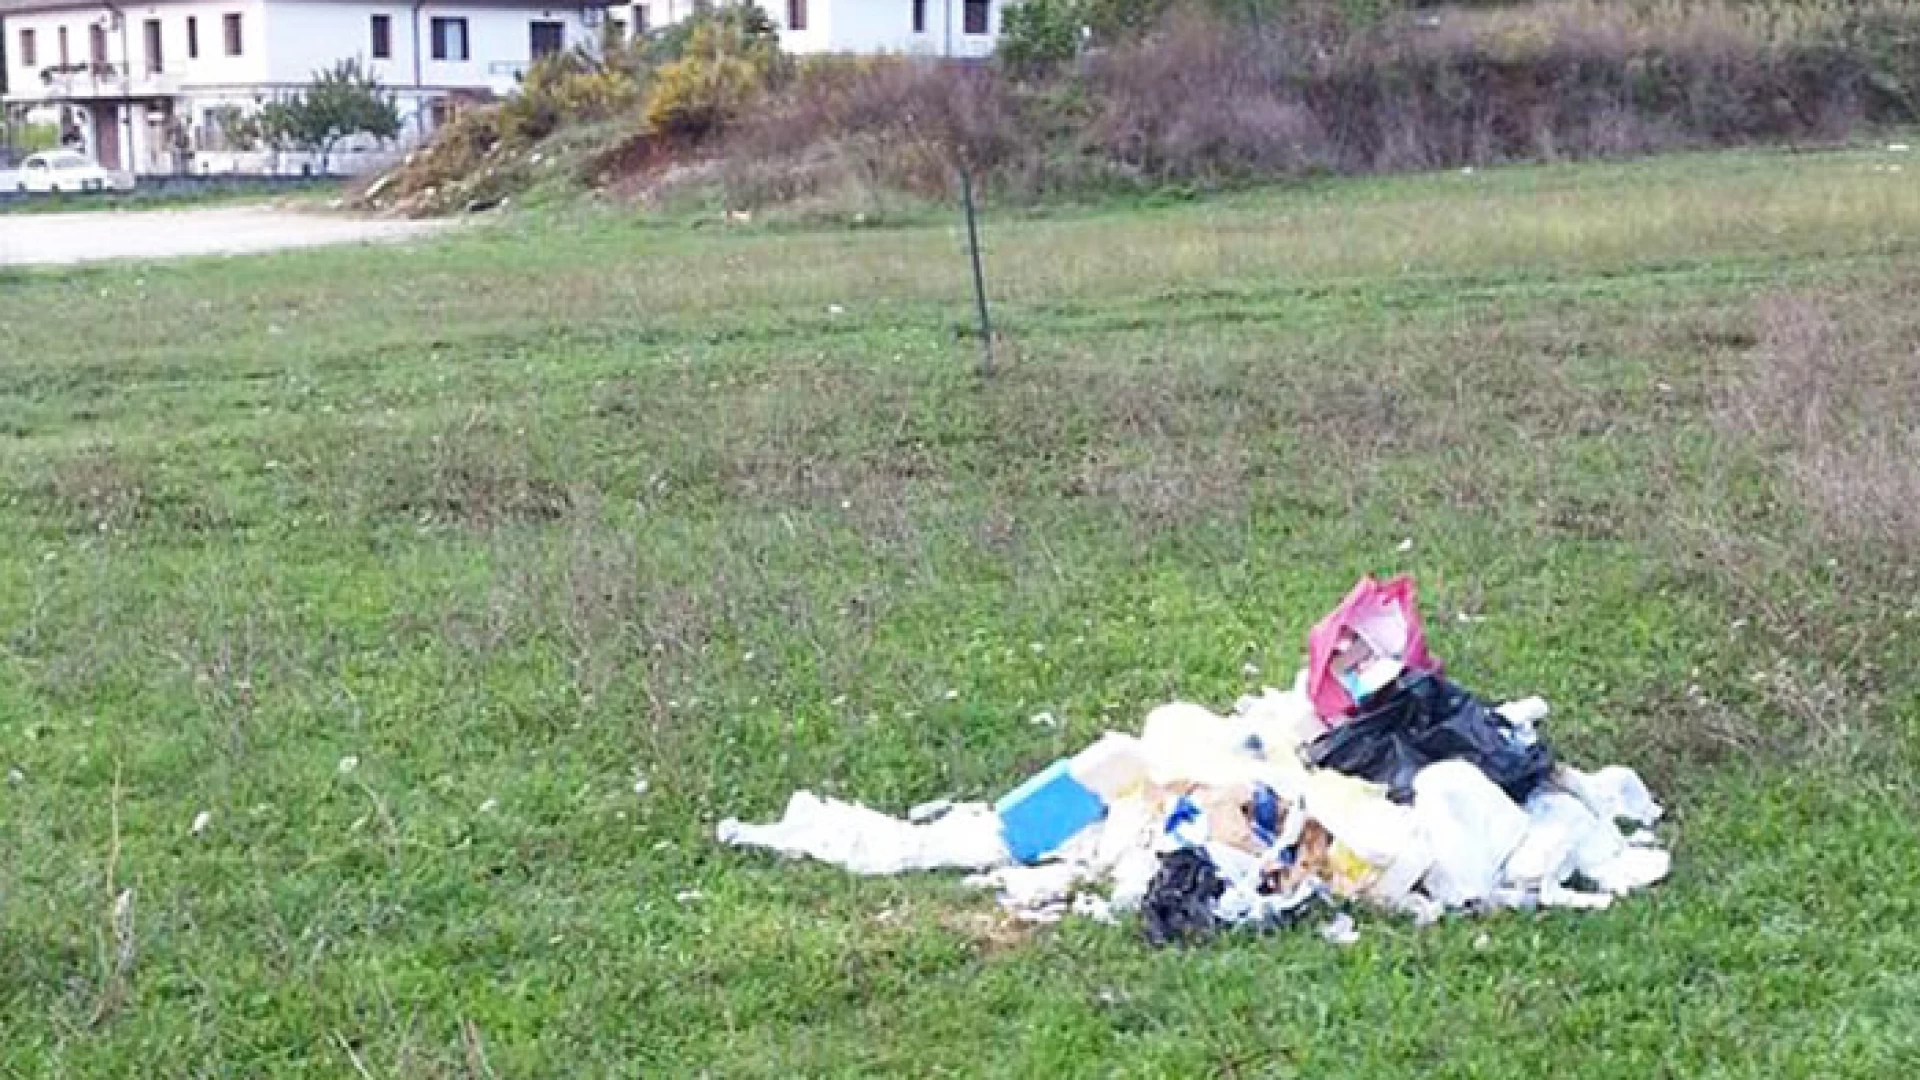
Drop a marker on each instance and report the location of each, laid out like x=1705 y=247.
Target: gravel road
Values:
x=63 y=238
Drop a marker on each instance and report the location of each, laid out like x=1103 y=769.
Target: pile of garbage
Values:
x=1374 y=780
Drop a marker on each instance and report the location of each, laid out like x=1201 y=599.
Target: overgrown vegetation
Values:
x=463 y=587
x=582 y=115
x=342 y=102
x=1092 y=95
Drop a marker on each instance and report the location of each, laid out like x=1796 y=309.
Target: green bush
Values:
x=747 y=19
x=37 y=137
x=724 y=67
x=1038 y=36
x=569 y=87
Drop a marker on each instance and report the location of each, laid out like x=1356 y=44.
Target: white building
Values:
x=951 y=28
x=147 y=87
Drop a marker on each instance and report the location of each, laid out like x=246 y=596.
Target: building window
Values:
x=27 y=57
x=382 y=27
x=642 y=20
x=155 y=63
x=231 y=24
x=796 y=14
x=193 y=38
x=97 y=45
x=919 y=16
x=449 y=39
x=976 y=17
x=545 y=38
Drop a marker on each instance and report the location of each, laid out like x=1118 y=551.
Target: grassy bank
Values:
x=1085 y=98
x=464 y=586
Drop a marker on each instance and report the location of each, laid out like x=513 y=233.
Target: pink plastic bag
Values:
x=1388 y=618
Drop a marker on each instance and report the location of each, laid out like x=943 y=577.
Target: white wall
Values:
x=885 y=26
x=285 y=41
x=303 y=38
x=212 y=67
x=660 y=13
x=499 y=43
x=23 y=79
x=307 y=35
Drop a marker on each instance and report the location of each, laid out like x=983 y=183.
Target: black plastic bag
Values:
x=1423 y=718
x=1179 y=903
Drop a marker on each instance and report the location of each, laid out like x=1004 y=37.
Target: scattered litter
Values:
x=200 y=822
x=15 y=776
x=348 y=764
x=1179 y=903
x=1898 y=148
x=1404 y=546
x=689 y=896
x=1423 y=718
x=1043 y=719
x=929 y=811
x=1364 y=644
x=1340 y=930
x=489 y=806
x=1047 y=811
x=1373 y=780
x=864 y=841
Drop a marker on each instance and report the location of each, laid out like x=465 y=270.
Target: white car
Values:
x=63 y=170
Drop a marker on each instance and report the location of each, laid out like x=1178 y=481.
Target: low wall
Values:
x=159 y=188
x=287 y=163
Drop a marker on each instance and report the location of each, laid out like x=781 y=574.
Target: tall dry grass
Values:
x=1831 y=391
x=1206 y=99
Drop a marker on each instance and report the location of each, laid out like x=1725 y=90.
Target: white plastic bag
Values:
x=865 y=841
x=1470 y=827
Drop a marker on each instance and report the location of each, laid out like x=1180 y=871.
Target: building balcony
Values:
x=97 y=82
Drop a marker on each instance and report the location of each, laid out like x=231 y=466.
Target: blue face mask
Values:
x=1351 y=680
x=1375 y=677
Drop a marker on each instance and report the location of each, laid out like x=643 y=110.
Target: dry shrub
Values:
x=882 y=494
x=1813 y=524
x=1203 y=98
x=1196 y=100
x=1832 y=389
x=477 y=474
x=99 y=490
x=1165 y=446
x=1165 y=485
x=584 y=587
x=871 y=124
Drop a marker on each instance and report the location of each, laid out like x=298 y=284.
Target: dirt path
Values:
x=50 y=239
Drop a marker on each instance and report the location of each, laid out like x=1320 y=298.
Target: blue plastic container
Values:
x=1046 y=811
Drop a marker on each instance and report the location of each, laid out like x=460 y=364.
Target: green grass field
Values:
x=465 y=586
